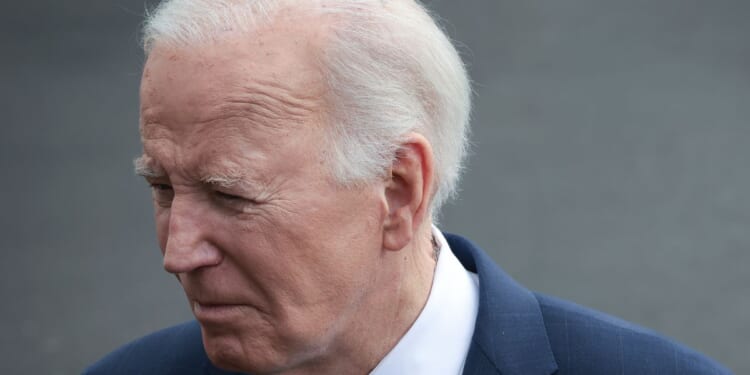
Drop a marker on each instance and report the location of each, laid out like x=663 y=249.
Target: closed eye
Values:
x=161 y=187
x=228 y=197
x=163 y=194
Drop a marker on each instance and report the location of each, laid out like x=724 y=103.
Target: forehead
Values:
x=242 y=90
x=278 y=63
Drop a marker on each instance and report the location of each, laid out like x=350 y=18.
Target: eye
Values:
x=161 y=187
x=232 y=201
x=163 y=194
x=227 y=197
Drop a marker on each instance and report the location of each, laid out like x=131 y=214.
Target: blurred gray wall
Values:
x=609 y=166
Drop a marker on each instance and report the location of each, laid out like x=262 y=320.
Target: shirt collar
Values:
x=438 y=341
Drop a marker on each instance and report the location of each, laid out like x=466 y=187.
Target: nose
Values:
x=187 y=247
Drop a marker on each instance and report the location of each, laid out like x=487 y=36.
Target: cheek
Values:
x=279 y=252
x=329 y=252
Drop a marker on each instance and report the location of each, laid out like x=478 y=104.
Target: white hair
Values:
x=390 y=69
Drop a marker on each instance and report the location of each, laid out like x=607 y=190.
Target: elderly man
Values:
x=298 y=152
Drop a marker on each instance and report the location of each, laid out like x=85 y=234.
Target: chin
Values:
x=224 y=352
x=230 y=353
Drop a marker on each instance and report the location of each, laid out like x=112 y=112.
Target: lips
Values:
x=216 y=312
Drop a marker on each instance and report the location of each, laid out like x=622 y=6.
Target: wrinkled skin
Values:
x=285 y=270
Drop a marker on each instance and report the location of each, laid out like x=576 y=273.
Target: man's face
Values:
x=275 y=258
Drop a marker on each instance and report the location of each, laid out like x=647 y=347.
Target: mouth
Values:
x=216 y=312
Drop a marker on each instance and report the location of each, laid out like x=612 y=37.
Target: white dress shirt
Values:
x=438 y=341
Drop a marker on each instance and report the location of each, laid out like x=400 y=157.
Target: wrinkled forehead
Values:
x=241 y=97
x=273 y=67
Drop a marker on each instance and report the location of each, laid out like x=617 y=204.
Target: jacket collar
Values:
x=509 y=336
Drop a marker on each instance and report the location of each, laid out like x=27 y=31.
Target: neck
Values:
x=403 y=286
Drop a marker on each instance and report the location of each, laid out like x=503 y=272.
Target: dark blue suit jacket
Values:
x=517 y=332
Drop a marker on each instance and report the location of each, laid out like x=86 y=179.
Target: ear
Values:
x=408 y=191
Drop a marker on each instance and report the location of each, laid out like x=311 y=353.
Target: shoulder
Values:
x=586 y=341
x=174 y=350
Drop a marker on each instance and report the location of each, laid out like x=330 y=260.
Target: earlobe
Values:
x=408 y=191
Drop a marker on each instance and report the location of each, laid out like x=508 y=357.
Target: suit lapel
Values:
x=509 y=336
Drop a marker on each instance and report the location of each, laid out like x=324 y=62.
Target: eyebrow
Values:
x=223 y=180
x=144 y=167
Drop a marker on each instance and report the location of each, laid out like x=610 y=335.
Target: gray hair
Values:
x=390 y=69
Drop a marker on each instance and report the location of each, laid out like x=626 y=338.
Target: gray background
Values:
x=609 y=167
